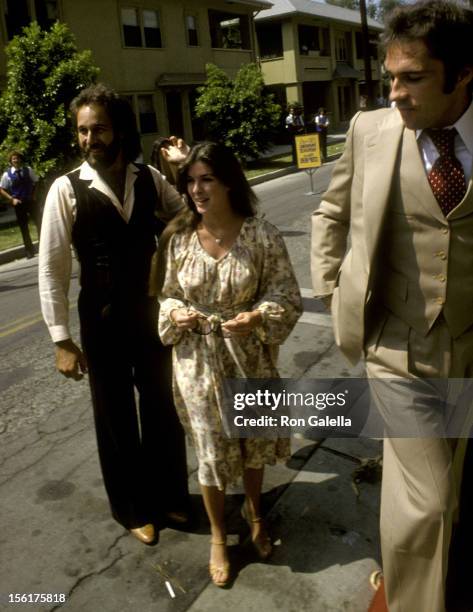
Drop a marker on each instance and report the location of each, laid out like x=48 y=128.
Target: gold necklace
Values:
x=217 y=240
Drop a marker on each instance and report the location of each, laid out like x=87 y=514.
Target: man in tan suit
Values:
x=402 y=294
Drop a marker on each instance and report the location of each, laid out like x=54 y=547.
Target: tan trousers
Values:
x=421 y=475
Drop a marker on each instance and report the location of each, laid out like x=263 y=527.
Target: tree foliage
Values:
x=354 y=5
x=238 y=112
x=376 y=9
x=45 y=71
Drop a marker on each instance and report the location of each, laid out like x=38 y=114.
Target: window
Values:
x=372 y=45
x=270 y=40
x=191 y=31
x=46 y=12
x=141 y=28
x=341 y=48
x=308 y=40
x=16 y=16
x=19 y=13
x=325 y=42
x=147 y=114
x=229 y=30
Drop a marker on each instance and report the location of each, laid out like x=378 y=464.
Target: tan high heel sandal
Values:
x=262 y=542
x=223 y=570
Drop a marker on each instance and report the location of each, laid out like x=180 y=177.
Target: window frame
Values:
x=133 y=98
x=244 y=29
x=140 y=10
x=197 y=29
x=303 y=31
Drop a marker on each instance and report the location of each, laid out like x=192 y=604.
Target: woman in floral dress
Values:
x=229 y=297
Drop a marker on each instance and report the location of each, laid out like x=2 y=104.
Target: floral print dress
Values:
x=255 y=273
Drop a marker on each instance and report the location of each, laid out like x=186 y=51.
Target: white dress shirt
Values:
x=55 y=257
x=5 y=182
x=463 y=144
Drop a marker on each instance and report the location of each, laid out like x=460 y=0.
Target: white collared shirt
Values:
x=463 y=144
x=5 y=182
x=55 y=257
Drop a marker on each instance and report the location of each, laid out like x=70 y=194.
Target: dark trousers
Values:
x=141 y=448
x=323 y=144
x=28 y=208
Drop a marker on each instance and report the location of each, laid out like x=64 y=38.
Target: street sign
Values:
x=308 y=151
x=308 y=155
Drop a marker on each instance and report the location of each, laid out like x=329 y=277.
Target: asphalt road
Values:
x=57 y=535
x=25 y=349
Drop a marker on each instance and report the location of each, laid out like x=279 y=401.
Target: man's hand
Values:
x=244 y=323
x=15 y=201
x=70 y=360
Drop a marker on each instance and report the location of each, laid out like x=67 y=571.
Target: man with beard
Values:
x=110 y=210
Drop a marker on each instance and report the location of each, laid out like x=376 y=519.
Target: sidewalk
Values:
x=58 y=536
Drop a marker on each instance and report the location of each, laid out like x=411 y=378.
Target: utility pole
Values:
x=365 y=38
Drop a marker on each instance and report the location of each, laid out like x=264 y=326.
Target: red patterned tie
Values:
x=446 y=178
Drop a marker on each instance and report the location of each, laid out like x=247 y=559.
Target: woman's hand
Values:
x=184 y=318
x=176 y=152
x=244 y=323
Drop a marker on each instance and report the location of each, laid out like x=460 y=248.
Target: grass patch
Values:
x=10 y=236
x=268 y=164
x=335 y=149
x=277 y=162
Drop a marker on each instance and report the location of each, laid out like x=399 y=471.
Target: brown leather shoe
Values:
x=145 y=534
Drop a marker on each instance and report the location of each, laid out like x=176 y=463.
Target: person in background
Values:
x=107 y=209
x=165 y=156
x=294 y=125
x=17 y=185
x=321 y=127
x=229 y=298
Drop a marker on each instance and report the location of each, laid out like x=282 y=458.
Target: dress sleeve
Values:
x=279 y=298
x=171 y=296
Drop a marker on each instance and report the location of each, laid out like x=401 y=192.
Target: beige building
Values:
x=311 y=53
x=154 y=51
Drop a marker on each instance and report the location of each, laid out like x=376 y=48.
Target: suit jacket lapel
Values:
x=381 y=153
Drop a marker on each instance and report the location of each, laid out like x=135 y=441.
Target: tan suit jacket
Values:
x=380 y=182
x=356 y=200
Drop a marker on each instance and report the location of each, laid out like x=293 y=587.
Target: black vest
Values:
x=115 y=256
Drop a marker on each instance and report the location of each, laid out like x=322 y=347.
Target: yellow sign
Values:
x=308 y=151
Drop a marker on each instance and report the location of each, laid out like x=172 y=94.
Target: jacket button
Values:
x=440 y=300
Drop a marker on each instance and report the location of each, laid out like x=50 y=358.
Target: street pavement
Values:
x=57 y=536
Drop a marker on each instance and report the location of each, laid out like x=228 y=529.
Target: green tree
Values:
x=386 y=6
x=354 y=5
x=45 y=71
x=238 y=112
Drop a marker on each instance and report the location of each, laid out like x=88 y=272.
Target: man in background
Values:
x=17 y=186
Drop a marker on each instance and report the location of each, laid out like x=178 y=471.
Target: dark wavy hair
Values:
x=120 y=112
x=227 y=169
x=158 y=161
x=446 y=29
x=18 y=154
